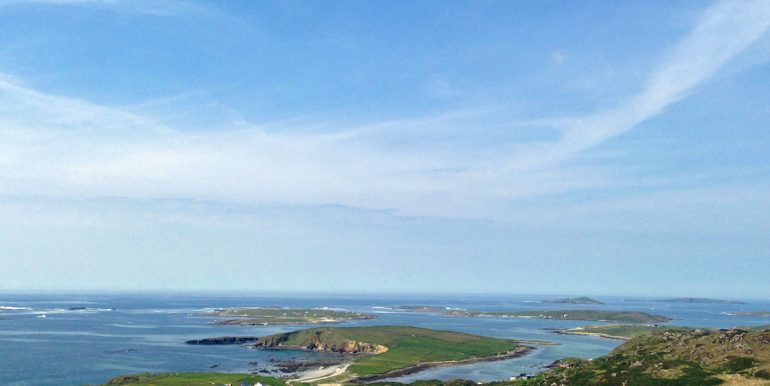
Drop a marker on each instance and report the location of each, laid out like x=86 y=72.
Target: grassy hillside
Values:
x=673 y=357
x=406 y=346
x=192 y=379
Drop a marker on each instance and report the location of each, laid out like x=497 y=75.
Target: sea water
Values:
x=89 y=338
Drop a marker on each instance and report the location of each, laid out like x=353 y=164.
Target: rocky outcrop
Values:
x=347 y=347
x=318 y=344
x=224 y=340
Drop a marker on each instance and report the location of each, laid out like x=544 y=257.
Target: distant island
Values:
x=700 y=300
x=282 y=316
x=753 y=313
x=580 y=300
x=688 y=300
x=589 y=315
x=420 y=308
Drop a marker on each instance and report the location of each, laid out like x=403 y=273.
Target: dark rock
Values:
x=224 y=340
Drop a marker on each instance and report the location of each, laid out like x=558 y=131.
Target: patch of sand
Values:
x=313 y=376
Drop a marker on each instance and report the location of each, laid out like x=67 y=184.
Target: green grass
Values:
x=192 y=379
x=407 y=346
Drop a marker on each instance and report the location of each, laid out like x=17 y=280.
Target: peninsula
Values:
x=386 y=351
x=282 y=316
x=611 y=331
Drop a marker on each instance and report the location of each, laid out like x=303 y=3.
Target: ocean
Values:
x=90 y=338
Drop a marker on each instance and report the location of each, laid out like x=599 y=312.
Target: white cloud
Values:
x=559 y=57
x=64 y=147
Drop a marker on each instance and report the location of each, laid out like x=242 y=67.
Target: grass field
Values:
x=193 y=379
x=406 y=346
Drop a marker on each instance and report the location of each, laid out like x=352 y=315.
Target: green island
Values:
x=590 y=315
x=671 y=356
x=275 y=316
x=611 y=331
x=387 y=351
x=431 y=309
x=580 y=300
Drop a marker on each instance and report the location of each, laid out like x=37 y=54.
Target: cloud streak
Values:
x=723 y=31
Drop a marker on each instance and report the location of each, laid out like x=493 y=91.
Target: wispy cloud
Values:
x=159 y=8
x=64 y=147
x=724 y=31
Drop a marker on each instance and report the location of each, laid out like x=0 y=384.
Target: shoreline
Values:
x=594 y=334
x=524 y=350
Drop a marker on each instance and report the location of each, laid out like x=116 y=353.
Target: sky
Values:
x=527 y=147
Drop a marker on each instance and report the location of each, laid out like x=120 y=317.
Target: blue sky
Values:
x=501 y=147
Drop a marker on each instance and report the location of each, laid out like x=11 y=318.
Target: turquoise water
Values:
x=119 y=334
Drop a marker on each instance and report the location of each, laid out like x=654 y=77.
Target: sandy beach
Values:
x=313 y=376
